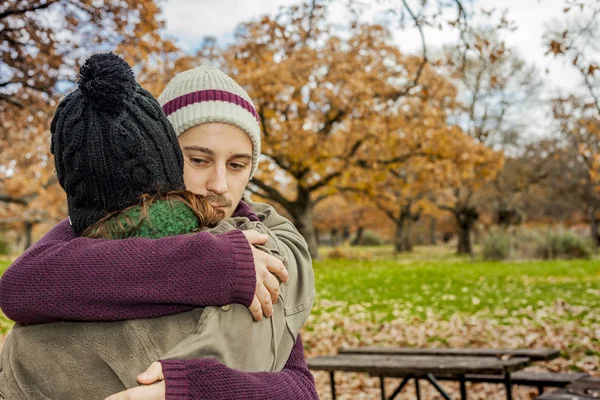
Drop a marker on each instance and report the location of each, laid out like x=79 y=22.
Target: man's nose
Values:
x=217 y=183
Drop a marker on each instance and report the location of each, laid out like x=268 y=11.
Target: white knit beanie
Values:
x=205 y=94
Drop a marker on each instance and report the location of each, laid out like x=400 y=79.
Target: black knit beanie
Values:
x=112 y=143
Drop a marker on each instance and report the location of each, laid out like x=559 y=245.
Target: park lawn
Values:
x=3 y=265
x=5 y=323
x=430 y=280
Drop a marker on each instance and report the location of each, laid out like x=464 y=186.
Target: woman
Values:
x=115 y=153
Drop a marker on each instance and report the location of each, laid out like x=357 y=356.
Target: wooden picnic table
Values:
x=419 y=367
x=584 y=389
x=540 y=354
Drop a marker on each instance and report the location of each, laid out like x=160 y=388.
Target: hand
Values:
x=267 y=285
x=148 y=391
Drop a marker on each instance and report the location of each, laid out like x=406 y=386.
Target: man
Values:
x=220 y=138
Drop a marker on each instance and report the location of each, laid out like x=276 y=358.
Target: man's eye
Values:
x=197 y=161
x=237 y=165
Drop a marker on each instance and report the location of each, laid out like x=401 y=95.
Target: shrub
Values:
x=535 y=244
x=531 y=243
x=370 y=239
x=339 y=253
x=566 y=244
x=497 y=246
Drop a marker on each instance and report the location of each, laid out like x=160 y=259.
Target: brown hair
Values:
x=207 y=215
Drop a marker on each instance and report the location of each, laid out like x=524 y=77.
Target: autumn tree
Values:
x=495 y=86
x=319 y=94
x=579 y=124
x=417 y=130
x=345 y=218
x=403 y=198
x=559 y=197
x=574 y=38
x=523 y=171
x=42 y=42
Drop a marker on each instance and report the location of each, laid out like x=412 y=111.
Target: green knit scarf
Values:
x=165 y=218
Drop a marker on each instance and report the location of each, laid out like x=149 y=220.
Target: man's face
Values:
x=217 y=163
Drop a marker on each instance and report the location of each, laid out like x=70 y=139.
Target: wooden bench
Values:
x=583 y=389
x=539 y=380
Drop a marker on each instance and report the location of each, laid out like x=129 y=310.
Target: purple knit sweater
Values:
x=206 y=378
x=68 y=278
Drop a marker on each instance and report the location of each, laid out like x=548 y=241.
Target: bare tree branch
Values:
x=424 y=61
x=31 y=8
x=271 y=193
x=386 y=211
x=590 y=86
x=9 y=99
x=10 y=199
x=320 y=199
x=324 y=181
x=25 y=200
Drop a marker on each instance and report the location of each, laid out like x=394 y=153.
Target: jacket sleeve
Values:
x=290 y=246
x=63 y=277
x=208 y=379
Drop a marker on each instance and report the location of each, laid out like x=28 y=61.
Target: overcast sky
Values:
x=189 y=20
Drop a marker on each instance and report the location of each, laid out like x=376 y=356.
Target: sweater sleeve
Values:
x=206 y=378
x=63 y=277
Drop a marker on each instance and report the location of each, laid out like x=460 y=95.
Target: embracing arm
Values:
x=67 y=278
x=208 y=379
x=292 y=248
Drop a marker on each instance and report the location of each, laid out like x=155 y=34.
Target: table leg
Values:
x=382 y=385
x=399 y=388
x=463 y=387
x=332 y=385
x=437 y=386
x=508 y=385
x=417 y=389
x=540 y=389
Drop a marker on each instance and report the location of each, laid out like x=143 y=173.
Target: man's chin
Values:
x=227 y=211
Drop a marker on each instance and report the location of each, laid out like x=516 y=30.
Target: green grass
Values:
x=3 y=265
x=5 y=323
x=429 y=281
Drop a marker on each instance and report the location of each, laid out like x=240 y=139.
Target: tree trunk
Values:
x=303 y=220
x=432 y=231
x=345 y=234
x=28 y=234
x=594 y=226
x=398 y=245
x=358 y=237
x=401 y=242
x=408 y=246
x=464 y=240
x=465 y=219
x=333 y=234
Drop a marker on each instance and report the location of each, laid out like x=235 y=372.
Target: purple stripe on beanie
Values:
x=208 y=95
